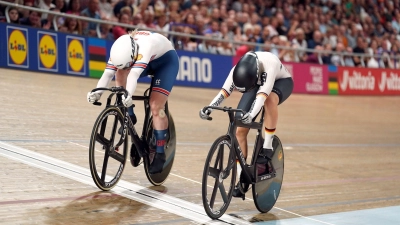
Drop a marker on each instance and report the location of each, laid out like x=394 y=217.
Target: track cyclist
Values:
x=264 y=82
x=136 y=55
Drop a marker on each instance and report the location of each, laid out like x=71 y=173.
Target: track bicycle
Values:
x=108 y=149
x=219 y=175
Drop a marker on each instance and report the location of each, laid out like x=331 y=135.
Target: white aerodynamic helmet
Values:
x=124 y=51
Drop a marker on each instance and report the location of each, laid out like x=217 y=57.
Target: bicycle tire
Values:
x=170 y=149
x=266 y=192
x=219 y=173
x=106 y=173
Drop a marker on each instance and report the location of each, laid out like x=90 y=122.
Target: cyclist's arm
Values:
x=107 y=76
x=136 y=70
x=225 y=92
x=263 y=92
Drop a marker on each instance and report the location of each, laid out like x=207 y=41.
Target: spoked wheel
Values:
x=266 y=192
x=108 y=149
x=169 y=148
x=219 y=177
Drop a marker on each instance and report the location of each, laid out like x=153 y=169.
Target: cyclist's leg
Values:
x=281 y=91
x=166 y=69
x=241 y=133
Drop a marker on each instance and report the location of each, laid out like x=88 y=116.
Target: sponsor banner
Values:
x=47 y=51
x=365 y=81
x=202 y=70
x=76 y=56
x=308 y=78
x=17 y=49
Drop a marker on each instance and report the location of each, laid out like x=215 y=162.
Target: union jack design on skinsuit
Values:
x=161 y=90
x=110 y=66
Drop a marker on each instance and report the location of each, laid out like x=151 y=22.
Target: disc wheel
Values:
x=219 y=177
x=266 y=192
x=169 y=148
x=108 y=149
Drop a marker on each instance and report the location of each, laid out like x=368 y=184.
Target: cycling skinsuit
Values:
x=156 y=56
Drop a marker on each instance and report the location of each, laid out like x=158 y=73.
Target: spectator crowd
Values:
x=286 y=28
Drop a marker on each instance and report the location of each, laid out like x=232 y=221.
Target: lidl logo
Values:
x=47 y=49
x=76 y=55
x=17 y=47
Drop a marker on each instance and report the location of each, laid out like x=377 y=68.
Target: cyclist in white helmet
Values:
x=132 y=56
x=264 y=82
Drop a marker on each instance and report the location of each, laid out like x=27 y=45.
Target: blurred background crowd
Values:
x=286 y=28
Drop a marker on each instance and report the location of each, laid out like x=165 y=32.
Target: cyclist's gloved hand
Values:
x=247 y=118
x=93 y=97
x=127 y=101
x=204 y=114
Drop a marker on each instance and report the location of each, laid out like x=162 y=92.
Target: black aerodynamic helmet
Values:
x=245 y=75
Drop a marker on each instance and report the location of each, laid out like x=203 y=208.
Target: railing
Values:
x=199 y=37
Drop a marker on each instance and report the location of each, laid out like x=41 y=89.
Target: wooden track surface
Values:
x=341 y=154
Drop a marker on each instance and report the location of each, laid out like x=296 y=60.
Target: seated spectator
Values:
x=208 y=46
x=213 y=29
x=138 y=21
x=120 y=5
x=106 y=10
x=60 y=5
x=326 y=57
x=242 y=49
x=394 y=55
x=248 y=31
x=72 y=26
x=119 y=31
x=316 y=40
x=46 y=5
x=274 y=43
x=300 y=41
x=162 y=24
x=225 y=48
x=105 y=32
x=360 y=48
x=92 y=12
x=48 y=23
x=33 y=20
x=148 y=19
x=186 y=43
x=23 y=13
x=74 y=7
x=13 y=15
x=337 y=58
x=314 y=57
x=348 y=60
x=263 y=38
x=285 y=55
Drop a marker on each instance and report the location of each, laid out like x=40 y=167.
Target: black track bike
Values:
x=219 y=175
x=108 y=149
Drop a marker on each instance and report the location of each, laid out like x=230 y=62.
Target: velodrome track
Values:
x=342 y=159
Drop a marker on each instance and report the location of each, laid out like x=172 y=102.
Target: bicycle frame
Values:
x=139 y=142
x=233 y=124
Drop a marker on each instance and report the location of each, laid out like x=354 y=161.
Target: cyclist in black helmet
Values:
x=264 y=82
